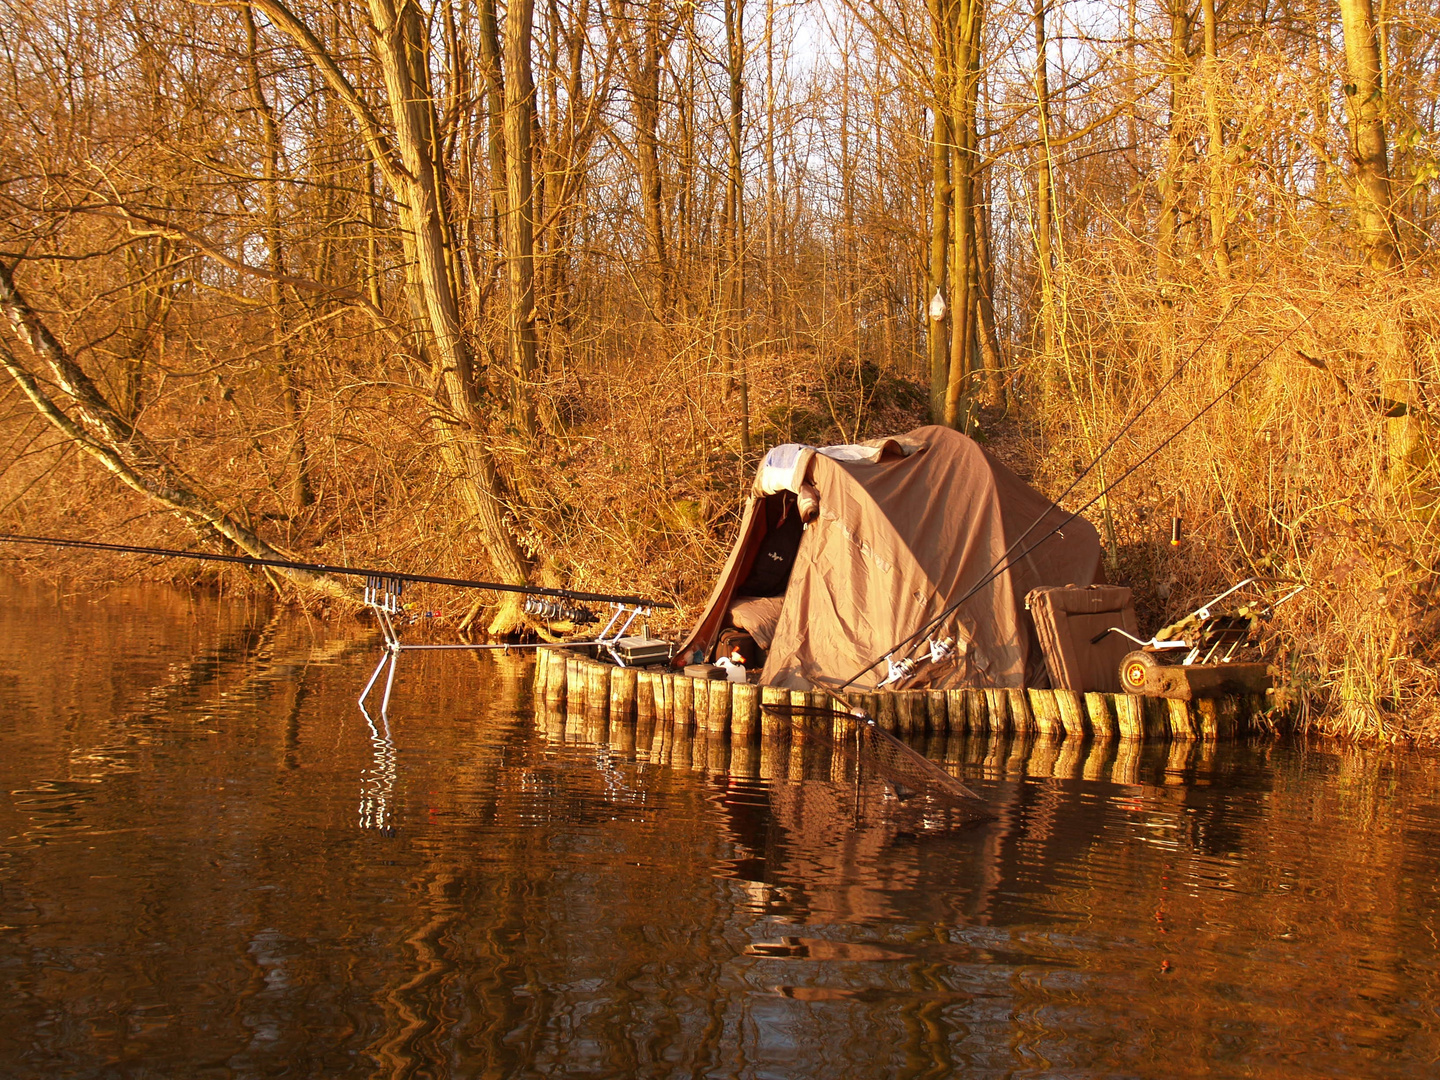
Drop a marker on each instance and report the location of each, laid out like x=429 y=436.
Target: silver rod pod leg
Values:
x=382 y=596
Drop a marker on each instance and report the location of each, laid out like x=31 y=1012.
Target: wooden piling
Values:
x=597 y=686
x=1072 y=713
x=623 y=692
x=938 y=722
x=1157 y=717
x=911 y=707
x=1217 y=718
x=1129 y=715
x=645 y=695
x=1021 y=719
x=580 y=685
x=957 y=712
x=800 y=722
x=683 y=707
x=1180 y=725
x=885 y=714
x=1101 y=716
x=997 y=711
x=774 y=725
x=1046 y=713
x=700 y=697
x=556 y=680
x=717 y=717
x=744 y=712
x=575 y=681
x=977 y=712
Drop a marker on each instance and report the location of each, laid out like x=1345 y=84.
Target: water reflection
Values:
x=184 y=889
x=377 y=783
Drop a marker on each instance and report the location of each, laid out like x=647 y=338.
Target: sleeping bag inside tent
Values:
x=844 y=551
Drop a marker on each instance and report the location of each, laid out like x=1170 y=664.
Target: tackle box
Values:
x=641 y=650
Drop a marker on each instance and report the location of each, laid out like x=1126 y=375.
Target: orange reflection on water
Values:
x=212 y=863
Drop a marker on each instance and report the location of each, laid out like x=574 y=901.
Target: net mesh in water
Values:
x=874 y=749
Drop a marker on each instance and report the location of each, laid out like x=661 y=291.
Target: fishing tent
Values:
x=845 y=551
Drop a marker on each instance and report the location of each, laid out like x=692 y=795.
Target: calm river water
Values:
x=211 y=864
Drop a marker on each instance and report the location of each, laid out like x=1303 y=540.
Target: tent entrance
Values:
x=759 y=593
x=753 y=582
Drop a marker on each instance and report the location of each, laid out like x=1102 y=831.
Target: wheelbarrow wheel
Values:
x=1135 y=671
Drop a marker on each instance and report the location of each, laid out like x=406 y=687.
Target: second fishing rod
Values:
x=1011 y=556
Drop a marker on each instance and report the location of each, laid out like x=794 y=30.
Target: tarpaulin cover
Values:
x=899 y=537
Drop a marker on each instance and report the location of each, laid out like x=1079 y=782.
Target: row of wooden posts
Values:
x=990 y=756
x=565 y=680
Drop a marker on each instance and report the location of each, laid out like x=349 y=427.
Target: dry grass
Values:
x=1309 y=472
x=1319 y=469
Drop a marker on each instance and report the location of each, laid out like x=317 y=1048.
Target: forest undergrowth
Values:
x=1298 y=449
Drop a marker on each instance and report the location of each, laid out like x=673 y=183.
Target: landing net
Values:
x=877 y=751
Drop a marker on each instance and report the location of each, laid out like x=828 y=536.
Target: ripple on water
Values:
x=211 y=861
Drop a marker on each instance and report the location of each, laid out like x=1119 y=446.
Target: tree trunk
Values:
x=1170 y=183
x=937 y=321
x=734 y=283
x=1365 y=103
x=772 y=201
x=643 y=40
x=118 y=445
x=958 y=389
x=400 y=42
x=298 y=459
x=493 y=81
x=985 y=281
x=1044 y=200
x=520 y=222
x=1218 y=195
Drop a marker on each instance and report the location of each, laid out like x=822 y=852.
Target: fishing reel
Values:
x=553 y=610
x=937 y=649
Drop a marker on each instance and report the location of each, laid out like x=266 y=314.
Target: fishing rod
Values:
x=1000 y=565
x=949 y=789
x=384 y=588
x=1154 y=397
x=1006 y=563
x=327 y=568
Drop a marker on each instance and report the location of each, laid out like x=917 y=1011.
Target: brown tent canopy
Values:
x=905 y=527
